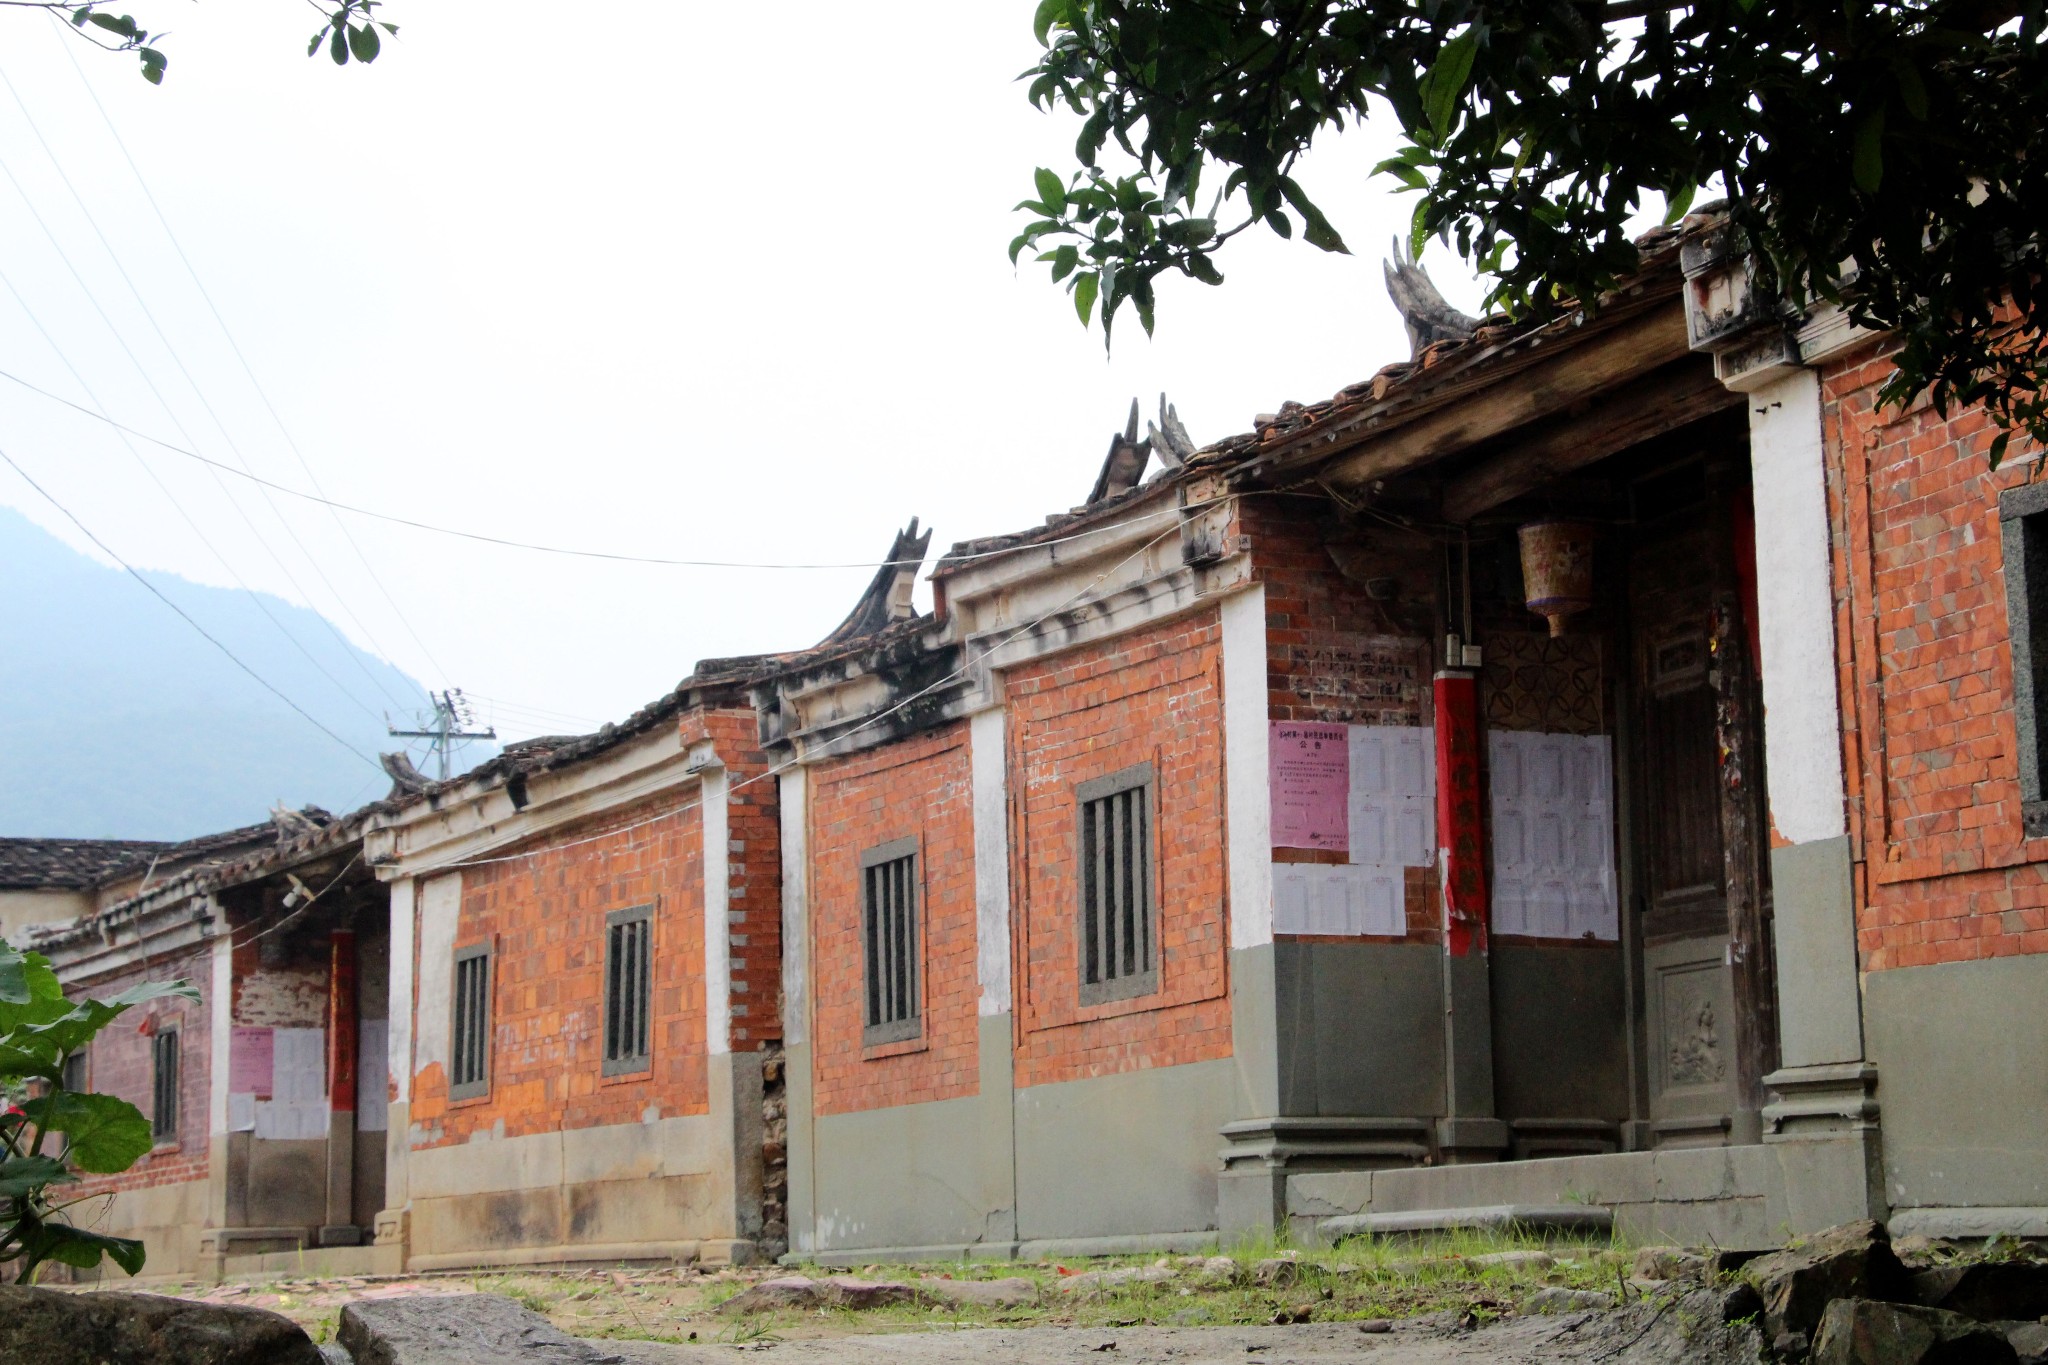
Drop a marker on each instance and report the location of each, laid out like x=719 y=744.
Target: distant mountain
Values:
x=118 y=721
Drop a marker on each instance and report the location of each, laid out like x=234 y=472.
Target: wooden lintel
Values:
x=1579 y=373
x=1661 y=401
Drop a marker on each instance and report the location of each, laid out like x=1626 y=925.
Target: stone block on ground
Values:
x=46 y=1327
x=834 y=1291
x=1864 y=1332
x=2029 y=1341
x=458 y=1329
x=1512 y=1260
x=1008 y=1293
x=1094 y=1281
x=1798 y=1283
x=1212 y=1270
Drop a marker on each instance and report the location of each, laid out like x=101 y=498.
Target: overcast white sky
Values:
x=715 y=282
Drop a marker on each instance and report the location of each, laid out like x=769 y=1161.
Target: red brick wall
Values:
x=1926 y=679
x=121 y=1064
x=918 y=787
x=1320 y=622
x=1155 y=696
x=545 y=916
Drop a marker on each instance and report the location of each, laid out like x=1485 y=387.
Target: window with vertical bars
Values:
x=163 y=1114
x=628 y=987
x=469 y=1063
x=1119 y=949
x=890 y=942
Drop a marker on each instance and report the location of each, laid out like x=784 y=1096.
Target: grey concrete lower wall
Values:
x=1819 y=1021
x=1560 y=1032
x=1962 y=1081
x=1360 y=1028
x=167 y=1220
x=909 y=1175
x=602 y=1191
x=1735 y=1197
x=1114 y=1156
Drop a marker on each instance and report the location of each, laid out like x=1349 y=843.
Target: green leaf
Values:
x=1678 y=205
x=153 y=64
x=1402 y=171
x=363 y=42
x=25 y=1175
x=1042 y=21
x=1051 y=192
x=1446 y=80
x=77 y=1247
x=1064 y=259
x=1204 y=269
x=1912 y=90
x=1316 y=229
x=123 y=25
x=1867 y=163
x=108 y=1135
x=337 y=46
x=1085 y=285
x=26 y=977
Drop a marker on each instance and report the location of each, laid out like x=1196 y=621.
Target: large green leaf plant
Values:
x=100 y=1134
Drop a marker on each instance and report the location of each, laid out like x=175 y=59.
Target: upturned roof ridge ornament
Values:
x=1428 y=317
x=1124 y=467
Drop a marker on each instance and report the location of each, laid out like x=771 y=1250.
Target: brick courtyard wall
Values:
x=918 y=787
x=1334 y=654
x=1155 y=696
x=545 y=917
x=1945 y=873
x=121 y=1064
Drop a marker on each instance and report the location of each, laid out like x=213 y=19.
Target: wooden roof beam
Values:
x=1663 y=400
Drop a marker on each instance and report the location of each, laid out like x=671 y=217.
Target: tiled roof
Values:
x=69 y=864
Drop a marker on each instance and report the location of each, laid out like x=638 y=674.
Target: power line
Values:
x=183 y=615
x=193 y=384
x=235 y=346
x=254 y=597
x=557 y=549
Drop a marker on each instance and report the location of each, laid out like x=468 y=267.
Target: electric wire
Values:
x=193 y=384
x=876 y=719
x=572 y=552
x=254 y=597
x=156 y=592
x=236 y=347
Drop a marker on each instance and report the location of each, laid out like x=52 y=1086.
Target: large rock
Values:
x=458 y=1329
x=1860 y=1332
x=2029 y=1341
x=1853 y=1261
x=1008 y=1293
x=45 y=1327
x=1987 y=1290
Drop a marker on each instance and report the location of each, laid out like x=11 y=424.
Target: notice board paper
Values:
x=252 y=1062
x=1310 y=778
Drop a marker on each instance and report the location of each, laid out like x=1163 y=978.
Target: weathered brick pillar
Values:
x=1469 y=1129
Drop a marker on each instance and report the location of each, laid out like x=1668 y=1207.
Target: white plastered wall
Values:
x=991 y=861
x=1246 y=798
x=398 y=1042
x=794 y=804
x=1795 y=610
x=221 y=1005
x=440 y=907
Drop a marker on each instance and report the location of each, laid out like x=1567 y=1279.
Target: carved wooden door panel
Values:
x=1688 y=997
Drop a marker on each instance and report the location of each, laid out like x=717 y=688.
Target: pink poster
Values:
x=1311 y=784
x=252 y=1062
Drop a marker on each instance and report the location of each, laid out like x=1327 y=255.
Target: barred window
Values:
x=77 y=1073
x=1119 y=941
x=628 y=981
x=2023 y=522
x=889 y=937
x=163 y=1121
x=469 y=1070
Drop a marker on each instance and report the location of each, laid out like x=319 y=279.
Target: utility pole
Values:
x=451 y=713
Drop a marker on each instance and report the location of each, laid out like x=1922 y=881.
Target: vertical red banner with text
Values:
x=1460 y=813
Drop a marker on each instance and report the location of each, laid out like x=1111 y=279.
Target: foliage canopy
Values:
x=349 y=29
x=1886 y=155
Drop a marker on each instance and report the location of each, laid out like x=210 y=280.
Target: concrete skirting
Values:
x=1171 y=1243
x=1577 y=1219
x=599 y=1253
x=1967 y=1222
x=322 y=1262
x=1740 y=1197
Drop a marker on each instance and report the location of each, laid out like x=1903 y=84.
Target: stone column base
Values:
x=1251 y=1189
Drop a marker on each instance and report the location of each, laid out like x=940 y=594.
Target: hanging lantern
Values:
x=1557 y=569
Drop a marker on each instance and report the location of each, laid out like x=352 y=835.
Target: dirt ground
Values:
x=1393 y=1304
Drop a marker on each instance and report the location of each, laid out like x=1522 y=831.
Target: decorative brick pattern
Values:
x=920 y=787
x=545 y=916
x=1153 y=696
x=1926 y=680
